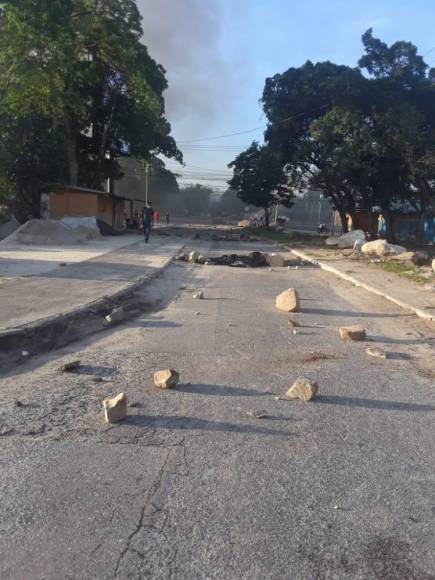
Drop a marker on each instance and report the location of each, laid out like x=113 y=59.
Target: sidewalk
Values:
x=404 y=293
x=61 y=290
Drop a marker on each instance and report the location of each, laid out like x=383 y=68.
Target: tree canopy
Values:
x=260 y=180
x=78 y=71
x=364 y=136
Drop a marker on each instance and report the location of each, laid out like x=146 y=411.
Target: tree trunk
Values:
x=71 y=152
x=266 y=217
x=343 y=217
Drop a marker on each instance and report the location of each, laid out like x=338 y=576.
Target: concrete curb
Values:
x=59 y=329
x=418 y=311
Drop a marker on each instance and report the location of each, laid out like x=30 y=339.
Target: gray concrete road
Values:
x=192 y=487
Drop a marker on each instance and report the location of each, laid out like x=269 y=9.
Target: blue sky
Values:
x=217 y=54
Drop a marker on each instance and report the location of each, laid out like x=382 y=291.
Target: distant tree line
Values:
x=78 y=91
x=364 y=137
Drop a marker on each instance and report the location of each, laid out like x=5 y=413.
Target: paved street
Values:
x=192 y=487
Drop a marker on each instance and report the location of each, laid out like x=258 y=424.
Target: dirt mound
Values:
x=8 y=228
x=49 y=232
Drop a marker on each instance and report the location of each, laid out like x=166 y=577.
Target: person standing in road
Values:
x=167 y=218
x=148 y=213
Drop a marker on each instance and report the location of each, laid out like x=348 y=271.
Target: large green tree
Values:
x=80 y=67
x=260 y=180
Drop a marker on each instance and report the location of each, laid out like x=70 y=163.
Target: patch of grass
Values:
x=409 y=271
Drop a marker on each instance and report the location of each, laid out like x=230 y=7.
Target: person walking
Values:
x=167 y=218
x=148 y=213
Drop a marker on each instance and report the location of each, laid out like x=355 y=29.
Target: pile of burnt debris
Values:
x=251 y=260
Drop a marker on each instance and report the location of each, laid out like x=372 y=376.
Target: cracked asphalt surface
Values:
x=191 y=486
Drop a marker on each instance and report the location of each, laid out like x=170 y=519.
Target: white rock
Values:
x=115 y=409
x=199 y=295
x=355 y=333
x=244 y=224
x=331 y=241
x=382 y=248
x=166 y=379
x=288 y=301
x=349 y=239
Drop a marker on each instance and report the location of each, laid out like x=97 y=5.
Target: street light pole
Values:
x=146 y=182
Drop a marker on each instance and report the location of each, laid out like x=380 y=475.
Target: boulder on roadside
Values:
x=348 y=240
x=166 y=379
x=358 y=244
x=382 y=248
x=331 y=241
x=244 y=224
x=115 y=409
x=303 y=389
x=420 y=258
x=275 y=260
x=355 y=333
x=199 y=295
x=288 y=301
x=117 y=315
x=201 y=259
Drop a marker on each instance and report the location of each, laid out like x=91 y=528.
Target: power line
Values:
x=249 y=130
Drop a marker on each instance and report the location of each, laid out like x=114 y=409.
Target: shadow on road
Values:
x=374 y=404
x=348 y=313
x=194 y=423
x=221 y=391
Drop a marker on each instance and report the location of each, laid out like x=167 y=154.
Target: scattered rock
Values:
x=331 y=241
x=288 y=301
x=347 y=252
x=181 y=258
x=420 y=258
x=257 y=414
x=355 y=333
x=382 y=248
x=115 y=409
x=358 y=244
x=193 y=256
x=25 y=353
x=292 y=324
x=303 y=389
x=252 y=260
x=117 y=315
x=166 y=379
x=62 y=264
x=197 y=313
x=275 y=260
x=244 y=224
x=201 y=259
x=71 y=366
x=377 y=352
x=198 y=295
x=349 y=239
x=19 y=404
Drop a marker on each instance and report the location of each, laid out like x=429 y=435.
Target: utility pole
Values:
x=146 y=182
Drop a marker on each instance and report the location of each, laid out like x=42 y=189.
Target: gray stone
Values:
x=199 y=295
x=376 y=352
x=117 y=315
x=303 y=389
x=71 y=366
x=275 y=260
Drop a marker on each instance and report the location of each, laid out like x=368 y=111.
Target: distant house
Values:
x=71 y=201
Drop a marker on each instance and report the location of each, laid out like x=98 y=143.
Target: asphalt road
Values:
x=191 y=486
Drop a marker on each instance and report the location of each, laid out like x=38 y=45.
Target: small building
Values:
x=71 y=201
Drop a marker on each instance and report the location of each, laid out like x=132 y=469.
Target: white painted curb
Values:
x=421 y=313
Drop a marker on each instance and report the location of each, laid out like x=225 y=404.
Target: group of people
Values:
x=147 y=218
